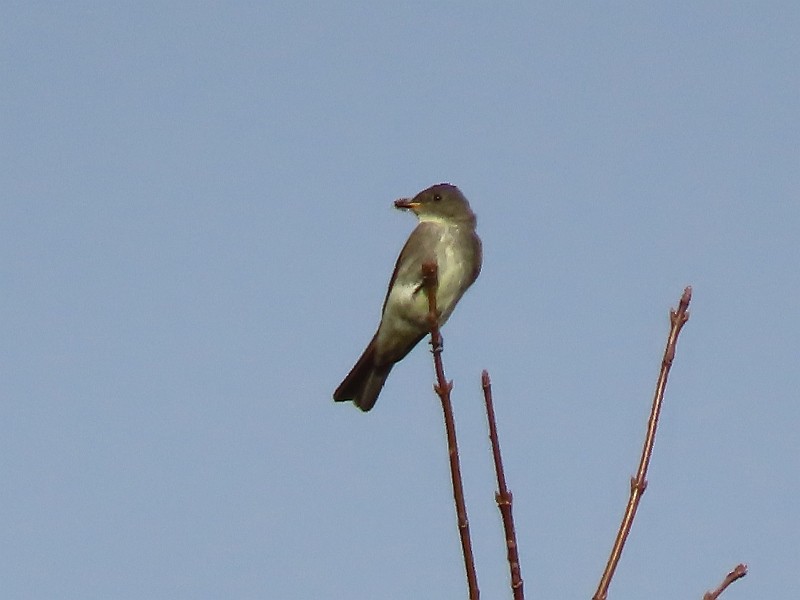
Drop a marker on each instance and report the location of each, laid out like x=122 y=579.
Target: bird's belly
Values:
x=409 y=302
x=405 y=315
x=453 y=279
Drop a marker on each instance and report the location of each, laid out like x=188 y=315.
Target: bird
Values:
x=445 y=235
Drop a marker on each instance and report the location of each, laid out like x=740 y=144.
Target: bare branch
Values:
x=678 y=319
x=503 y=496
x=430 y=282
x=738 y=572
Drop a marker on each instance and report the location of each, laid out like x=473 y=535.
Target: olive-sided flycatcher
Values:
x=445 y=235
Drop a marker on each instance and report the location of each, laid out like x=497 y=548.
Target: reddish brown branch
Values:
x=430 y=282
x=503 y=496
x=738 y=572
x=678 y=319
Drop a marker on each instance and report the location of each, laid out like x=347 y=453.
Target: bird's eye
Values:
x=437 y=197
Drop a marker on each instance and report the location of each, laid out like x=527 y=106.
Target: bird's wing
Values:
x=419 y=248
x=477 y=251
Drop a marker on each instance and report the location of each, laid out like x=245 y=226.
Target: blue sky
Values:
x=197 y=231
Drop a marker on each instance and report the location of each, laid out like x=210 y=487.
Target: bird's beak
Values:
x=406 y=204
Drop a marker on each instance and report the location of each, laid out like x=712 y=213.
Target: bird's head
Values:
x=440 y=202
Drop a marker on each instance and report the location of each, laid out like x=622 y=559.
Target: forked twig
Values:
x=503 y=496
x=430 y=282
x=738 y=572
x=678 y=319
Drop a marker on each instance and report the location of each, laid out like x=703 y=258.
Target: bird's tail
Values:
x=364 y=382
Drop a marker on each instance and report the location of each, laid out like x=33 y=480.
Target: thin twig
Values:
x=503 y=496
x=430 y=282
x=639 y=483
x=738 y=572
